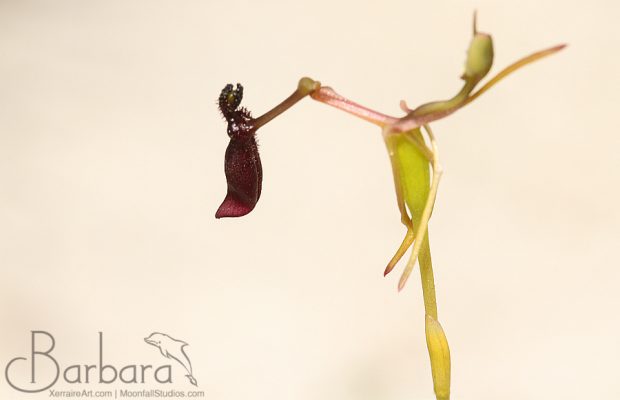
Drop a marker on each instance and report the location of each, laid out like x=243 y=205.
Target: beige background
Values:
x=111 y=169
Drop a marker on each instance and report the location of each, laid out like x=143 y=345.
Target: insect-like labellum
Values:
x=242 y=166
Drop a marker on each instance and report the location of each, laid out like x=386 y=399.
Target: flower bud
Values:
x=440 y=357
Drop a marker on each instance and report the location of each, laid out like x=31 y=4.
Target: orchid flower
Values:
x=413 y=153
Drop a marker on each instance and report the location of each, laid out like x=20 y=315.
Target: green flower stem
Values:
x=428 y=279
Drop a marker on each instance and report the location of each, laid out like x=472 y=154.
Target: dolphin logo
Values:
x=172 y=348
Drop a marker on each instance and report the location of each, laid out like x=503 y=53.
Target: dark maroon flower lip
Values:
x=233 y=206
x=242 y=165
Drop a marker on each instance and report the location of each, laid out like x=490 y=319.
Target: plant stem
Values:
x=327 y=95
x=428 y=280
x=304 y=88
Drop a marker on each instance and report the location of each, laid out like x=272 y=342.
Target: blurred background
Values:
x=111 y=170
